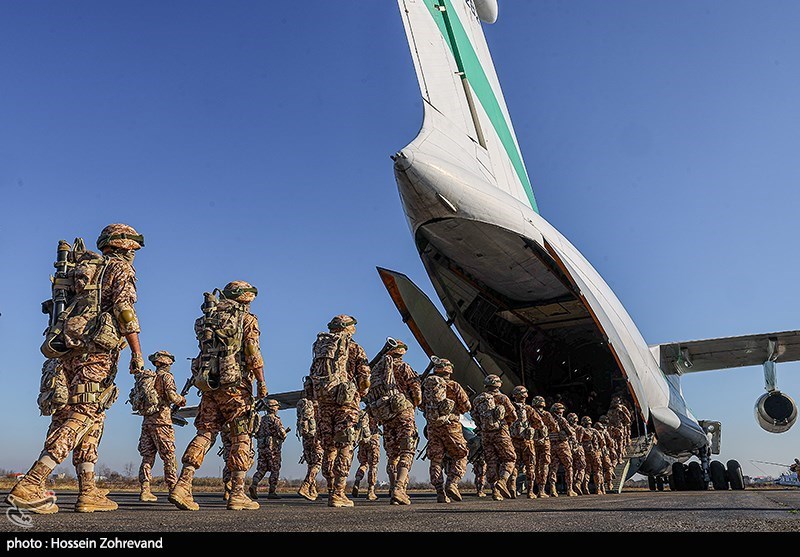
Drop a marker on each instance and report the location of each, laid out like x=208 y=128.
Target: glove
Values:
x=137 y=363
x=262 y=390
x=182 y=403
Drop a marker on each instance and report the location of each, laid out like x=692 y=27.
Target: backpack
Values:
x=435 y=404
x=521 y=428
x=329 y=369
x=143 y=397
x=220 y=332
x=384 y=400
x=53 y=392
x=306 y=420
x=487 y=413
x=77 y=296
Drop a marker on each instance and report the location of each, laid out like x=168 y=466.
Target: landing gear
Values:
x=679 y=476
x=660 y=483
x=651 y=482
x=719 y=477
x=735 y=477
x=694 y=477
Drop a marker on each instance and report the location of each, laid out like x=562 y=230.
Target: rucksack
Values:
x=435 y=404
x=487 y=413
x=143 y=397
x=306 y=420
x=329 y=369
x=53 y=392
x=521 y=428
x=385 y=401
x=220 y=332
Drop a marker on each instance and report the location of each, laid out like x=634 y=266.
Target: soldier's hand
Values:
x=288 y=429
x=261 y=388
x=182 y=403
x=137 y=362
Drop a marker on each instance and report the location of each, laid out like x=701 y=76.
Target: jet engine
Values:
x=775 y=412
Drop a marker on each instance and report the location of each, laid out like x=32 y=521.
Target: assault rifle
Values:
x=180 y=420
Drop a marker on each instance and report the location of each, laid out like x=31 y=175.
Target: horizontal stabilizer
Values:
x=728 y=352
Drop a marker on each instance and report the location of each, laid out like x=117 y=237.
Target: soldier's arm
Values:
x=281 y=430
x=460 y=398
x=123 y=297
x=362 y=371
x=172 y=391
x=511 y=412
x=552 y=425
x=411 y=385
x=253 y=360
x=533 y=417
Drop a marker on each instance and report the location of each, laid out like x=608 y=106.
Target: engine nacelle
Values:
x=775 y=412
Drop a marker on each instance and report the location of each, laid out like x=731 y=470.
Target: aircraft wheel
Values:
x=651 y=482
x=660 y=483
x=679 y=476
x=735 y=476
x=671 y=482
x=694 y=476
x=719 y=477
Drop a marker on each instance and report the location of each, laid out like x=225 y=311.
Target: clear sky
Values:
x=251 y=140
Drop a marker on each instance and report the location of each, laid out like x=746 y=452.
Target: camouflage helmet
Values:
x=572 y=418
x=538 y=401
x=400 y=346
x=492 y=380
x=558 y=407
x=341 y=322
x=240 y=291
x=441 y=365
x=520 y=392
x=120 y=236
x=272 y=403
x=161 y=357
x=603 y=419
x=586 y=421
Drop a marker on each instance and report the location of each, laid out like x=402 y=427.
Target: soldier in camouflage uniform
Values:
x=368 y=454
x=338 y=416
x=522 y=435
x=225 y=451
x=606 y=448
x=541 y=442
x=594 y=461
x=89 y=373
x=271 y=435
x=498 y=449
x=394 y=394
x=157 y=435
x=479 y=469
x=613 y=449
x=561 y=449
x=619 y=419
x=445 y=436
x=312 y=449
x=228 y=405
x=578 y=456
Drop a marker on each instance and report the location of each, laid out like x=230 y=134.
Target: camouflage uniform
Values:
x=271 y=435
x=400 y=436
x=594 y=462
x=620 y=421
x=336 y=424
x=158 y=435
x=445 y=436
x=542 y=443
x=224 y=452
x=228 y=407
x=613 y=449
x=561 y=449
x=578 y=456
x=312 y=448
x=88 y=372
x=521 y=435
x=479 y=469
x=498 y=448
x=369 y=450
x=606 y=446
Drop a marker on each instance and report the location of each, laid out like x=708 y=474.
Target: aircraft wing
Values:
x=287 y=400
x=728 y=352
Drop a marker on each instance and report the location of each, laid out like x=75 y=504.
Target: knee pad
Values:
x=197 y=449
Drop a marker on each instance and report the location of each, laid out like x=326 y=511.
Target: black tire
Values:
x=694 y=476
x=735 y=477
x=719 y=477
x=679 y=476
x=660 y=483
x=671 y=481
x=651 y=482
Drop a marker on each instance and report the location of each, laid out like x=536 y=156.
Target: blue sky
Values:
x=251 y=141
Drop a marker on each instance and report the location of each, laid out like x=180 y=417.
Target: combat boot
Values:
x=501 y=485
x=576 y=489
x=145 y=494
x=272 y=493
x=399 y=495
x=530 y=493
x=338 y=498
x=90 y=499
x=552 y=492
x=252 y=491
x=181 y=494
x=441 y=496
x=239 y=501
x=481 y=493
x=313 y=490
x=226 y=490
x=451 y=488
x=371 y=495
x=511 y=486
x=496 y=495
x=540 y=493
x=29 y=493
x=355 y=489
x=306 y=492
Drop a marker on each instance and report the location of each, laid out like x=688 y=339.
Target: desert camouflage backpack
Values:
x=220 y=332
x=384 y=400
x=306 y=420
x=488 y=414
x=435 y=404
x=143 y=397
x=521 y=428
x=329 y=369
x=53 y=392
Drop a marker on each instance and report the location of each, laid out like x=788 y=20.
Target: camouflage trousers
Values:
x=312 y=453
x=479 y=469
x=400 y=441
x=67 y=423
x=368 y=456
x=526 y=459
x=594 y=467
x=447 y=441
x=542 y=460
x=578 y=464
x=336 y=429
x=618 y=435
x=225 y=439
x=498 y=451
x=224 y=408
x=157 y=439
x=269 y=460
x=608 y=466
x=562 y=453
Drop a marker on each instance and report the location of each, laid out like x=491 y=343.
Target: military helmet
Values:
x=162 y=357
x=603 y=419
x=272 y=403
x=519 y=392
x=341 y=322
x=572 y=417
x=120 y=236
x=240 y=291
x=441 y=365
x=538 y=401
x=400 y=346
x=586 y=421
x=558 y=407
x=492 y=380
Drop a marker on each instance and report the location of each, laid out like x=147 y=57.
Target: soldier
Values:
x=227 y=398
x=157 y=435
x=522 y=435
x=611 y=443
x=578 y=456
x=560 y=446
x=541 y=442
x=369 y=449
x=224 y=451
x=606 y=448
x=494 y=412
x=594 y=461
x=479 y=469
x=312 y=449
x=109 y=282
x=619 y=419
x=444 y=401
x=271 y=435
x=340 y=375
x=394 y=393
